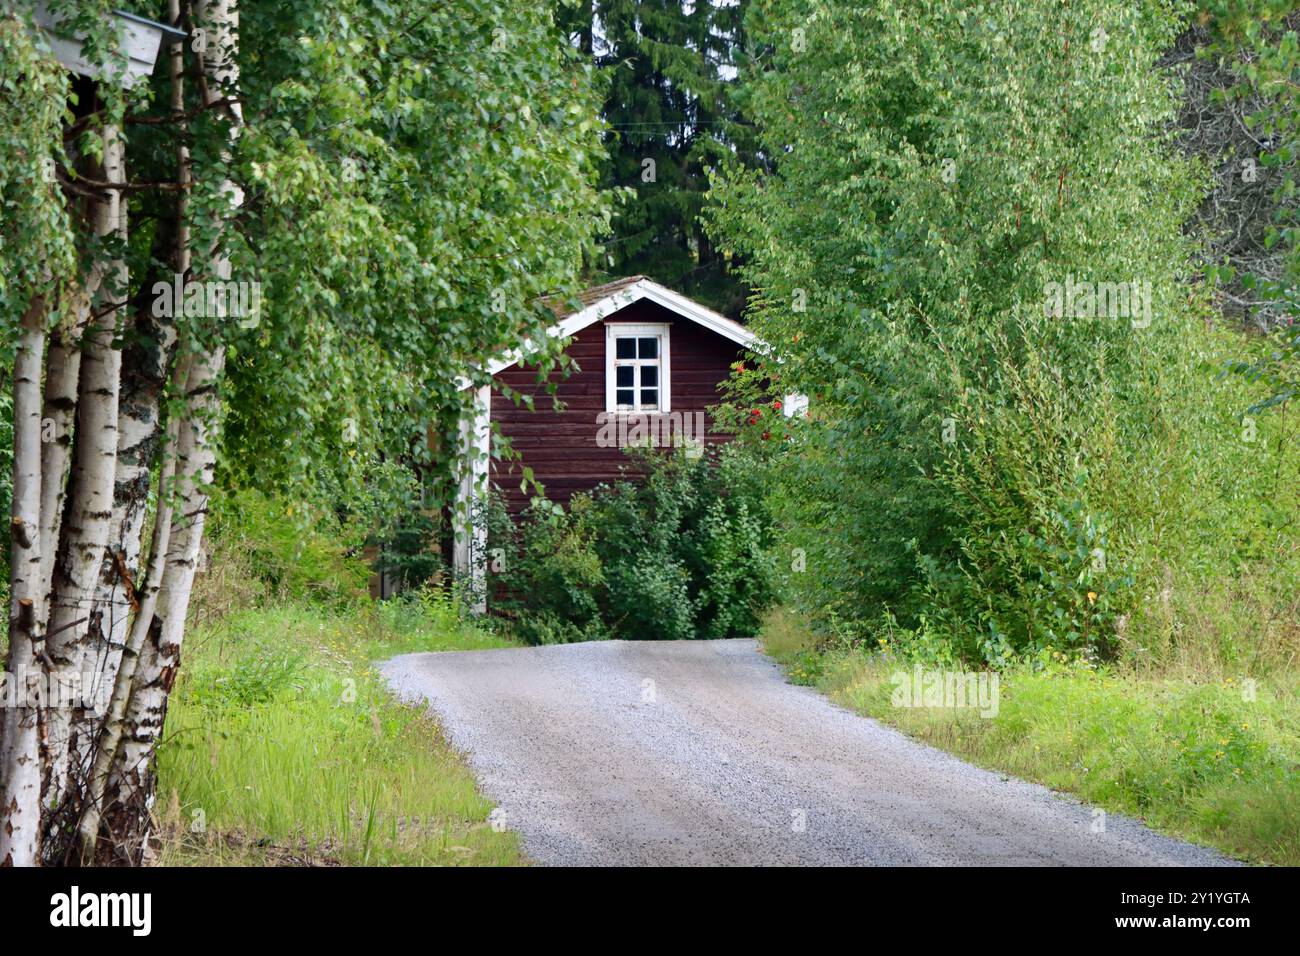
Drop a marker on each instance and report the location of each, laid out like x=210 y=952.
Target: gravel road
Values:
x=699 y=752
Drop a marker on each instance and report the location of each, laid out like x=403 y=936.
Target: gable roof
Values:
x=601 y=301
x=563 y=308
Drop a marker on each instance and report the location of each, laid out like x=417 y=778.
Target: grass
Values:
x=1214 y=761
x=283 y=746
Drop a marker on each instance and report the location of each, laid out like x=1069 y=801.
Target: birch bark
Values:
x=147 y=363
x=89 y=503
x=109 y=740
x=130 y=788
x=145 y=366
x=62 y=377
x=113 y=645
x=20 y=765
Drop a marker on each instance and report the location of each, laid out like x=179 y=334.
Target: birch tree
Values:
x=402 y=239
x=32 y=93
x=975 y=446
x=73 y=565
x=83 y=534
x=158 y=657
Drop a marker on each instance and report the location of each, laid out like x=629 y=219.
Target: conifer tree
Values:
x=668 y=65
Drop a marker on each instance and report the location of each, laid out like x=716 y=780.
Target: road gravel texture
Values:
x=700 y=753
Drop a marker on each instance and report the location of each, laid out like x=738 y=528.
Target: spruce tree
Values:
x=668 y=66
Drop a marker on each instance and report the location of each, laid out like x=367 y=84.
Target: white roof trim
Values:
x=645 y=289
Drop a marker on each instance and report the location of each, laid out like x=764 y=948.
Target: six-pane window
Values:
x=637 y=372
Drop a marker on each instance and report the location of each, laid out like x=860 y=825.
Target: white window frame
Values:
x=621 y=330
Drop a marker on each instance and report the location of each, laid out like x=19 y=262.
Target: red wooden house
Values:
x=650 y=363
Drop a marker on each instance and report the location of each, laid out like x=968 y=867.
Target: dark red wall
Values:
x=561 y=447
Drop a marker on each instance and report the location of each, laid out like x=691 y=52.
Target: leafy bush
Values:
x=546 y=572
x=681 y=553
x=650 y=596
x=409 y=553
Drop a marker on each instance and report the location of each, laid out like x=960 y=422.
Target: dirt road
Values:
x=701 y=753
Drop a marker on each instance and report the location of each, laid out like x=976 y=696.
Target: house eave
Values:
x=603 y=308
x=133 y=57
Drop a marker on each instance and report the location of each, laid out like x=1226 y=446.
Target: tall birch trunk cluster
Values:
x=112 y=403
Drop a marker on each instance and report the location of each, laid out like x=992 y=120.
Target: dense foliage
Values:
x=417 y=177
x=286 y=553
x=34 y=244
x=401 y=172
x=35 y=250
x=996 y=465
x=681 y=552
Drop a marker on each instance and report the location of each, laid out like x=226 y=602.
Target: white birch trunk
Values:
x=110 y=739
x=129 y=801
x=62 y=376
x=144 y=372
x=20 y=764
x=62 y=383
x=145 y=367
x=121 y=599
x=90 y=485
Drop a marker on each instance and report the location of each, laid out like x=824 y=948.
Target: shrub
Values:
x=546 y=573
x=408 y=549
x=681 y=551
x=650 y=596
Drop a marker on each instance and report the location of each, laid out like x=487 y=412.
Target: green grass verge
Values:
x=1203 y=761
x=283 y=746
